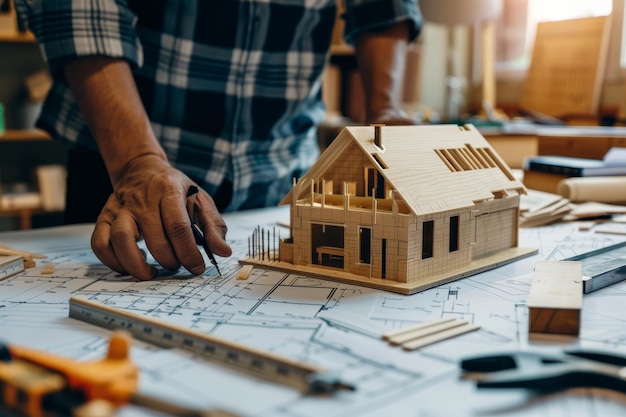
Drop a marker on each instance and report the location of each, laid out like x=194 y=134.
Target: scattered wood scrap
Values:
x=47 y=269
x=538 y=208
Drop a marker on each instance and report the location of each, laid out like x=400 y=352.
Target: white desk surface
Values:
x=333 y=325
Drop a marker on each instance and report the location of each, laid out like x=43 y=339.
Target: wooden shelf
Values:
x=26 y=215
x=17 y=37
x=9 y=25
x=24 y=135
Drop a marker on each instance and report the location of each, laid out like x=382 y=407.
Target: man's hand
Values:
x=150 y=202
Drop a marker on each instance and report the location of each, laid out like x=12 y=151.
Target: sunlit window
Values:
x=542 y=10
x=516 y=29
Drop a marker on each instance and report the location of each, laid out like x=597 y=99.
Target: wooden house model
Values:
x=401 y=208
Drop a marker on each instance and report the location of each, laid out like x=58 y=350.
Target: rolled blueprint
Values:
x=600 y=189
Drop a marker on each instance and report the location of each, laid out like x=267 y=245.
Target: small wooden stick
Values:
x=245 y=272
x=434 y=338
x=393 y=333
x=611 y=232
x=416 y=334
x=5 y=250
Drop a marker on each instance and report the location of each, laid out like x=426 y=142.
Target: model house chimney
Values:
x=378 y=135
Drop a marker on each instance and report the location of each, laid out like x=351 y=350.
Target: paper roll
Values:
x=599 y=189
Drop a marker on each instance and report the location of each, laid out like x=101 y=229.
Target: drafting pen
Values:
x=198 y=236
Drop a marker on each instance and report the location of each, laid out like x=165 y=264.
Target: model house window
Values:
x=428 y=230
x=370 y=181
x=466 y=158
x=365 y=245
x=327 y=245
x=374 y=181
x=383 y=260
x=454 y=234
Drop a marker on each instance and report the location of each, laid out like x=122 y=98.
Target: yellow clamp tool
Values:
x=40 y=384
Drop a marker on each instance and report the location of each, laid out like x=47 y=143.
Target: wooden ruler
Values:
x=10 y=265
x=267 y=365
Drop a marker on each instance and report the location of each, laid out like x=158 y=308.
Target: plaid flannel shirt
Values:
x=232 y=88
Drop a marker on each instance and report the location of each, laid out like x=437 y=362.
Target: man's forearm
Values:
x=107 y=96
x=381 y=57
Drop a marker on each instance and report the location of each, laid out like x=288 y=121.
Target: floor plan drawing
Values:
x=329 y=324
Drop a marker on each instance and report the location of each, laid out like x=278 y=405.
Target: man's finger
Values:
x=158 y=243
x=177 y=225
x=100 y=244
x=212 y=224
x=124 y=237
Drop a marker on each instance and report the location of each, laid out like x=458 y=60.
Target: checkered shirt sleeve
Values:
x=232 y=88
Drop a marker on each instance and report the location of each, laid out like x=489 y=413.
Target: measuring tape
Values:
x=275 y=368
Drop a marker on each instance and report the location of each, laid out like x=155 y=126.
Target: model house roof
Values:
x=433 y=168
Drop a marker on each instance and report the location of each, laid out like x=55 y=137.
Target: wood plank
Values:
x=567 y=68
x=18 y=135
x=17 y=37
x=556 y=298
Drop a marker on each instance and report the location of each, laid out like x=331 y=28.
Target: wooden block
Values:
x=556 y=298
x=245 y=272
x=47 y=269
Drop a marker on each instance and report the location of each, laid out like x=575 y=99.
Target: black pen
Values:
x=198 y=235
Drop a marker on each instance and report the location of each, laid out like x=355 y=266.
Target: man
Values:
x=157 y=96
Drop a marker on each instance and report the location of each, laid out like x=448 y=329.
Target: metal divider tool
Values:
x=602 y=267
x=275 y=368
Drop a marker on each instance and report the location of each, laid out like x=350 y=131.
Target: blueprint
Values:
x=335 y=326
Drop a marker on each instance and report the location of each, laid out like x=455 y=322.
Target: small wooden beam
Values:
x=427 y=333
x=556 y=298
x=245 y=272
x=47 y=269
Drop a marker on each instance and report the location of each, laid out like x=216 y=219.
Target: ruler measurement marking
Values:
x=255 y=361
